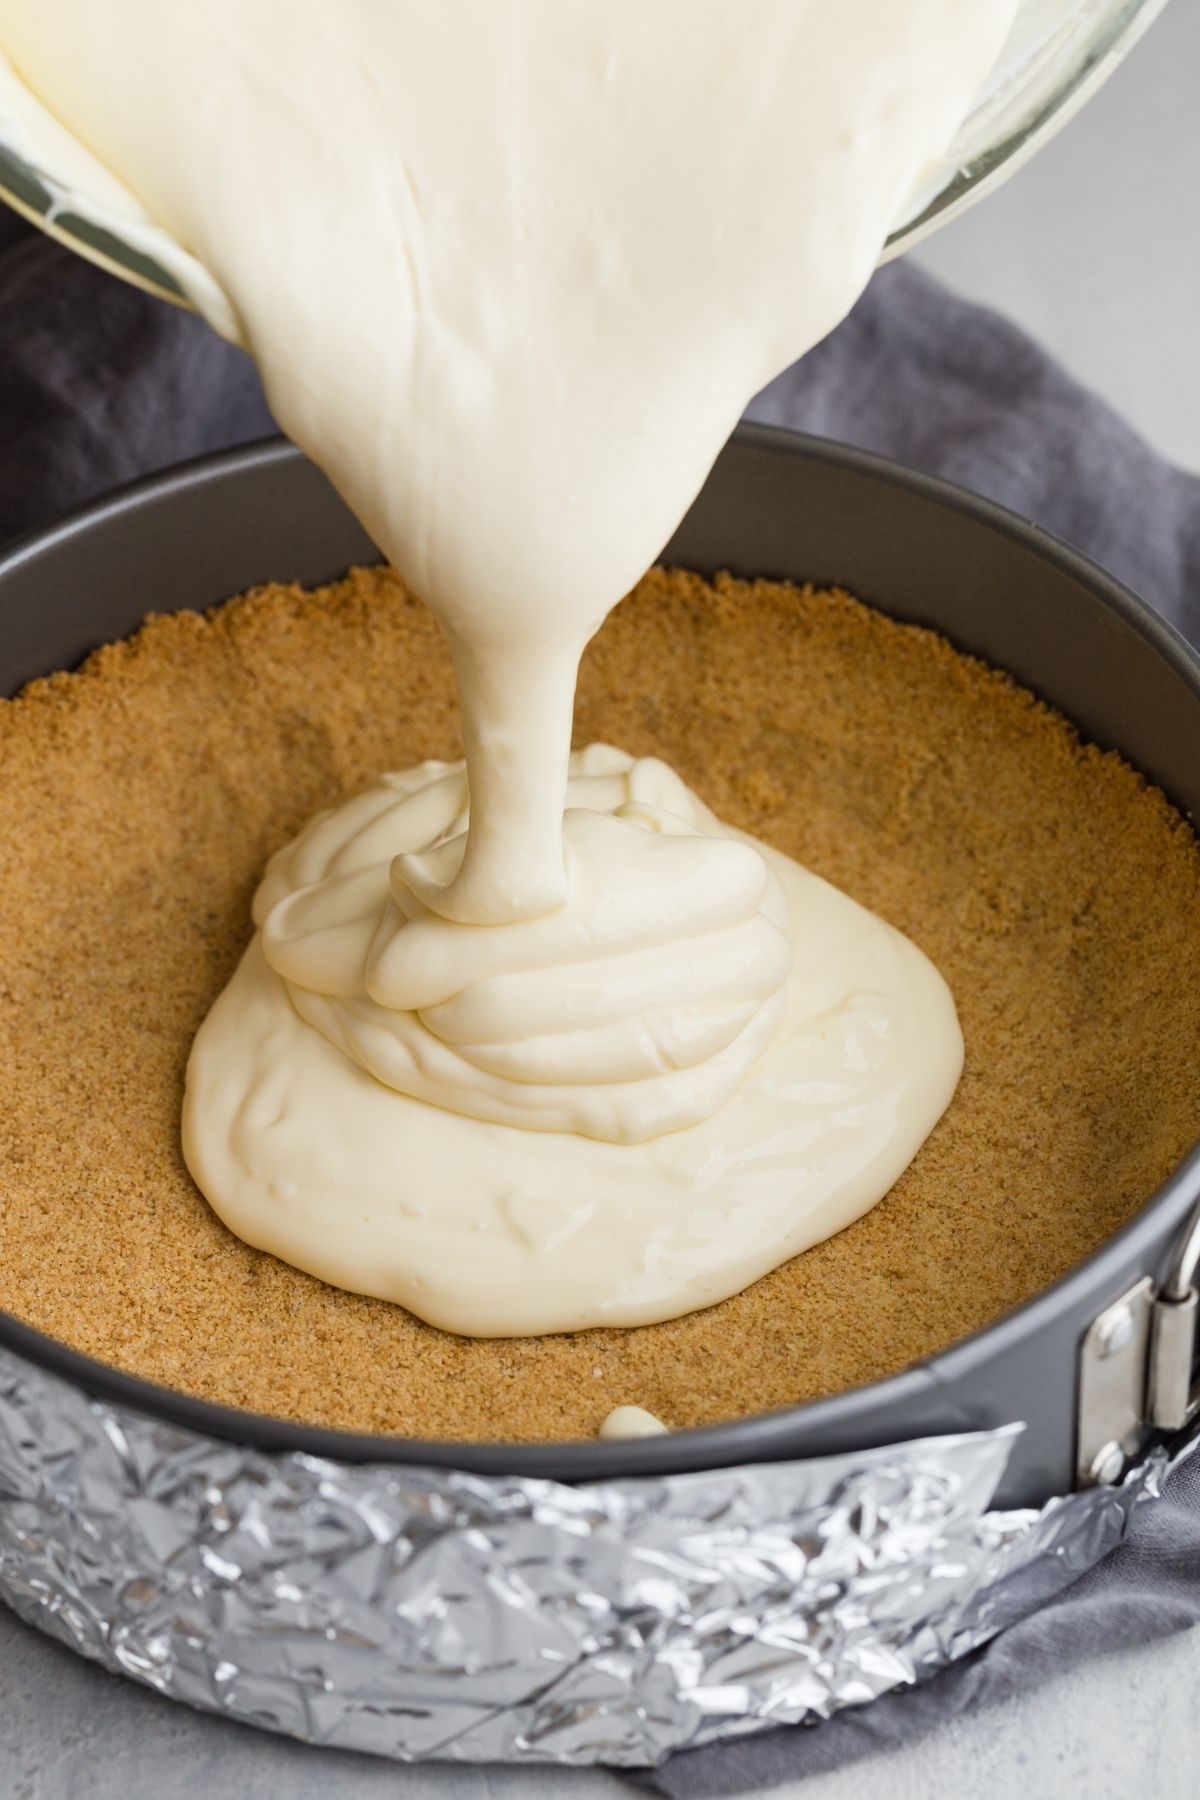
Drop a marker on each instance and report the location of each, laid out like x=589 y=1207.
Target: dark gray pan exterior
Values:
x=775 y=505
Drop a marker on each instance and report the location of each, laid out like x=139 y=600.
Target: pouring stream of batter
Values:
x=510 y=273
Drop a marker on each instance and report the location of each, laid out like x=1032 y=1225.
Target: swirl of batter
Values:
x=635 y=1009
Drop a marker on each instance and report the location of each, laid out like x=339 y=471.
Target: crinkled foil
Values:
x=420 y=1613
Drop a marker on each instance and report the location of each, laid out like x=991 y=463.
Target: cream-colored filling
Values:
x=492 y=1230
x=637 y=1008
x=511 y=270
x=631 y=1422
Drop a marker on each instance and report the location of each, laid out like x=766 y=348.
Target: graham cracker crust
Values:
x=141 y=796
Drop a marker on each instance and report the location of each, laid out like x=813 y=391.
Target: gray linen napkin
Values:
x=1146 y=1589
x=99 y=383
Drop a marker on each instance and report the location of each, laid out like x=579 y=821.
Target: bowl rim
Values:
x=760 y=1437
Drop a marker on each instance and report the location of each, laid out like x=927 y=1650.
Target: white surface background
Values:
x=1095 y=248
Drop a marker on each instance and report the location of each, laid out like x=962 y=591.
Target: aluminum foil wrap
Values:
x=424 y=1613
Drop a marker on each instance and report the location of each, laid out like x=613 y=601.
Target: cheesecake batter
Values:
x=511 y=274
x=566 y=1140
x=625 y=1422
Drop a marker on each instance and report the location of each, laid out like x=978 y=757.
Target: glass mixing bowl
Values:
x=1059 y=52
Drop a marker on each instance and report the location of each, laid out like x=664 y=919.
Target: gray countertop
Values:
x=1095 y=248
